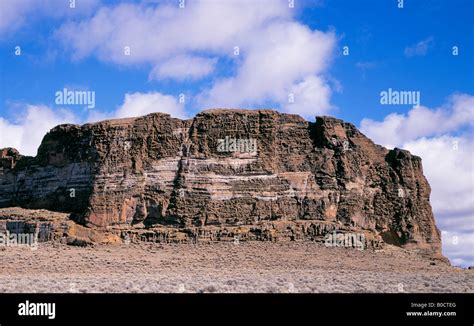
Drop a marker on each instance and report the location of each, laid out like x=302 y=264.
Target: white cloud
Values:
x=277 y=54
x=286 y=58
x=420 y=48
x=311 y=97
x=201 y=26
x=448 y=159
x=14 y=14
x=183 y=67
x=138 y=104
x=458 y=247
x=421 y=121
x=26 y=134
x=448 y=164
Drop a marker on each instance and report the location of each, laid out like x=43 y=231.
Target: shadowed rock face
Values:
x=158 y=170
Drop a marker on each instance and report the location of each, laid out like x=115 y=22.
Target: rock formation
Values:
x=301 y=181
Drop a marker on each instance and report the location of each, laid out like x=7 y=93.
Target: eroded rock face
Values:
x=205 y=172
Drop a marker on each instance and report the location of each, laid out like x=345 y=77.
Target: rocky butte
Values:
x=160 y=178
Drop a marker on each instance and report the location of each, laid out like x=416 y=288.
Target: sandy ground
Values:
x=224 y=267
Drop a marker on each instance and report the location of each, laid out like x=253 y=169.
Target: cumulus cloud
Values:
x=396 y=129
x=201 y=26
x=287 y=59
x=448 y=159
x=26 y=134
x=311 y=96
x=420 y=48
x=138 y=104
x=277 y=55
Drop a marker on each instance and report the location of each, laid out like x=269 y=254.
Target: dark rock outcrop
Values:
x=160 y=172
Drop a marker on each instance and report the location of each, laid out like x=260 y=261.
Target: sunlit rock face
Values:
x=226 y=168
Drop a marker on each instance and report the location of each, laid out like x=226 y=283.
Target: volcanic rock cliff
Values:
x=300 y=181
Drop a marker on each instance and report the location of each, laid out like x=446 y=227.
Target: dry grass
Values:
x=225 y=267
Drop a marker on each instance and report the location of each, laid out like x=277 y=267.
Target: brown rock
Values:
x=159 y=171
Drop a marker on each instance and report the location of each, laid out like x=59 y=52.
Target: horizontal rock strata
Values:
x=257 y=172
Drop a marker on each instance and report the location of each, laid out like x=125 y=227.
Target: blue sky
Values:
x=283 y=51
x=377 y=32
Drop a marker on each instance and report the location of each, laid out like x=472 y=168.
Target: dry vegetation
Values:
x=225 y=267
